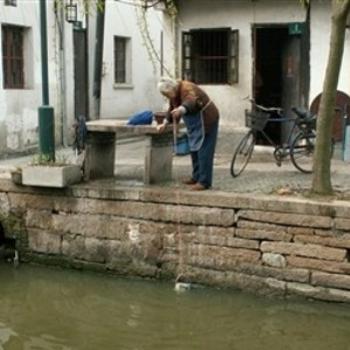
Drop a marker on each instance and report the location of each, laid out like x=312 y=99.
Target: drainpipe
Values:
x=46 y=113
x=63 y=80
x=100 y=24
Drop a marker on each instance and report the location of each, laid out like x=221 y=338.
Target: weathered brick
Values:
x=73 y=246
x=219 y=257
x=316 y=264
x=261 y=226
x=342 y=241
x=242 y=243
x=263 y=234
x=300 y=230
x=40 y=241
x=274 y=260
x=342 y=224
x=299 y=275
x=320 y=293
x=305 y=290
x=4 y=204
x=308 y=250
x=129 y=209
x=209 y=235
x=286 y=219
x=330 y=280
x=94 y=250
x=39 y=219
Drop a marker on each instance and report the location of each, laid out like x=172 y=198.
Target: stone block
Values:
x=341 y=241
x=73 y=246
x=305 y=290
x=4 y=205
x=263 y=234
x=286 y=219
x=342 y=224
x=320 y=293
x=316 y=264
x=51 y=176
x=40 y=241
x=300 y=231
x=242 y=243
x=298 y=275
x=221 y=258
x=39 y=219
x=274 y=260
x=330 y=280
x=308 y=250
x=261 y=226
x=94 y=250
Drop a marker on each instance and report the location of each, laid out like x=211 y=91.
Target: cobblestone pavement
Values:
x=260 y=176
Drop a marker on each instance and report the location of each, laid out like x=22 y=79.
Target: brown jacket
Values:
x=193 y=98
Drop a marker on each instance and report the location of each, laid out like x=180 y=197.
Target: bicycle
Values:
x=300 y=140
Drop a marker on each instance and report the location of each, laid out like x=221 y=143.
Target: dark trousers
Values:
x=203 y=160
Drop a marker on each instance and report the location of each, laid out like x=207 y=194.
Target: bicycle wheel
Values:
x=302 y=152
x=242 y=154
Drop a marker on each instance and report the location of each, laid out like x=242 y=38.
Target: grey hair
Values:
x=166 y=85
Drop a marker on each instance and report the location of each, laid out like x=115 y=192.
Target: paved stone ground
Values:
x=261 y=176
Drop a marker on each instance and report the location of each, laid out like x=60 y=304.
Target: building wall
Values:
x=19 y=107
x=320 y=36
x=122 y=100
x=242 y=15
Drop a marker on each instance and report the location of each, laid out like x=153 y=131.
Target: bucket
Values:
x=182 y=147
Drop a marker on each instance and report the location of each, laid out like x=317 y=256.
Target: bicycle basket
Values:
x=256 y=120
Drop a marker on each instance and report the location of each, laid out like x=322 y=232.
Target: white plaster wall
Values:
x=237 y=14
x=320 y=37
x=141 y=93
x=19 y=107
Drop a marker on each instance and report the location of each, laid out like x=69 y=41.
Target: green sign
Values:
x=295 y=28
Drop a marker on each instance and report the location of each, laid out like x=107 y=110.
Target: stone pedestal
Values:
x=100 y=155
x=158 y=158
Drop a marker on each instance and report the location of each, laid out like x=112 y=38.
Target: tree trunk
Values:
x=321 y=182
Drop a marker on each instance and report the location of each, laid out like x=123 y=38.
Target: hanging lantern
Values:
x=71 y=12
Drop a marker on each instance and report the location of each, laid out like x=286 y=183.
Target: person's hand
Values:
x=161 y=127
x=176 y=114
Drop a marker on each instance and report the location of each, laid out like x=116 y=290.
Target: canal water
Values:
x=42 y=308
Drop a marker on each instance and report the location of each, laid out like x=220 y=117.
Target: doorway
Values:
x=280 y=75
x=80 y=74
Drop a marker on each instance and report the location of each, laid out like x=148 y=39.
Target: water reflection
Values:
x=61 y=310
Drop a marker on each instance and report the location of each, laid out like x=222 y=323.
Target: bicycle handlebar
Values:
x=267 y=109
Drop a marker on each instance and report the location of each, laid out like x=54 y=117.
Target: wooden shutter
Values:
x=233 y=63
x=187 y=56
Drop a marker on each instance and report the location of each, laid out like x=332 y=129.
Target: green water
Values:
x=51 y=309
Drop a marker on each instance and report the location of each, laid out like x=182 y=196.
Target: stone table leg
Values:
x=100 y=155
x=158 y=158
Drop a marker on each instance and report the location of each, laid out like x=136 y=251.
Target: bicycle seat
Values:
x=302 y=113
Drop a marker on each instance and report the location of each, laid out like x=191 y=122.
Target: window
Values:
x=122 y=60
x=12 y=57
x=10 y=2
x=210 y=56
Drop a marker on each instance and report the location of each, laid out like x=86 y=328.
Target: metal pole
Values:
x=44 y=55
x=46 y=113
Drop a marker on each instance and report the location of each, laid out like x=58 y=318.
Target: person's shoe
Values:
x=198 y=187
x=189 y=181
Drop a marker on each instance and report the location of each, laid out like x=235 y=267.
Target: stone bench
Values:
x=101 y=146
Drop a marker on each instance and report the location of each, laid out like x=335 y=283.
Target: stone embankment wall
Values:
x=269 y=245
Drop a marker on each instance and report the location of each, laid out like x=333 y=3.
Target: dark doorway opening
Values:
x=281 y=72
x=268 y=82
